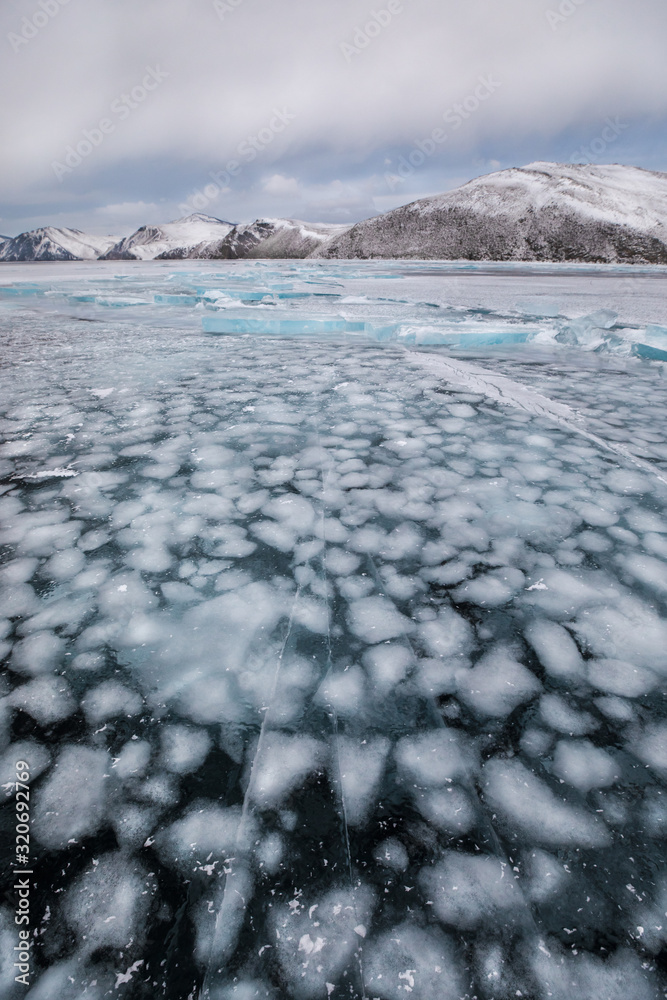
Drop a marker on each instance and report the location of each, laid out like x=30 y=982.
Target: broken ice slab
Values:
x=176 y=300
x=268 y=324
x=648 y=352
x=462 y=338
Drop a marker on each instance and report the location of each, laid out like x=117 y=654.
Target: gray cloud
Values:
x=364 y=82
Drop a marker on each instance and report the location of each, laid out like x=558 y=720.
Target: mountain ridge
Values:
x=541 y=212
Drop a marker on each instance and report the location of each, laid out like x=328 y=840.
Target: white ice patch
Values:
x=411 y=961
x=529 y=807
x=650 y=746
x=584 y=766
x=627 y=630
x=33 y=753
x=184 y=748
x=387 y=665
x=375 y=619
x=71 y=804
x=556 y=712
x=38 y=653
x=132 y=760
x=449 y=809
x=562 y=975
x=46 y=699
x=468 y=890
x=107 y=904
x=435 y=757
x=392 y=854
x=344 y=690
x=109 y=701
x=544 y=876
x=491 y=589
x=447 y=636
x=341 y=563
x=497 y=685
x=205 y=833
x=361 y=770
x=284 y=763
x=617 y=677
x=556 y=650
x=307 y=970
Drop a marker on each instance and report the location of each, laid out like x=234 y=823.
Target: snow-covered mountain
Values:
x=544 y=211
x=149 y=242
x=50 y=243
x=277 y=238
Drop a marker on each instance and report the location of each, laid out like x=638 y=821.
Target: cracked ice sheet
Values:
x=333 y=671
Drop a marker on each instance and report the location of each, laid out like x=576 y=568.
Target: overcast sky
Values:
x=117 y=113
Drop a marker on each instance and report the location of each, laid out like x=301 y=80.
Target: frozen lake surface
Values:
x=333 y=614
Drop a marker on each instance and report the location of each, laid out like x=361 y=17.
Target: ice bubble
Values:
x=536 y=742
x=179 y=593
x=545 y=876
x=402 y=542
x=65 y=564
x=184 y=749
x=341 y=563
x=344 y=690
x=434 y=757
x=33 y=753
x=367 y=540
x=388 y=664
x=408 y=958
x=650 y=746
x=627 y=630
x=648 y=570
x=468 y=890
x=556 y=712
x=562 y=975
x=584 y=766
x=107 y=905
x=391 y=854
x=449 y=635
x=497 y=684
x=270 y=853
x=449 y=809
x=375 y=619
x=617 y=677
x=46 y=699
x=530 y=809
x=294 y=513
x=38 y=653
x=133 y=759
x=313 y=615
x=311 y=957
x=353 y=588
x=616 y=709
x=556 y=650
x=110 y=700
x=361 y=766
x=71 y=804
x=132 y=825
x=205 y=833
x=283 y=764
x=627 y=481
